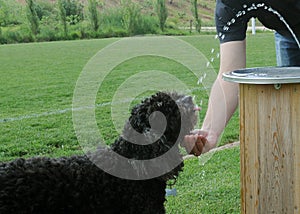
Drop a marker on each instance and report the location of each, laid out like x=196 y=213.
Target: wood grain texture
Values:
x=270 y=148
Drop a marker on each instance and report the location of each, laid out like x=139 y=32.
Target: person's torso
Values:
x=272 y=13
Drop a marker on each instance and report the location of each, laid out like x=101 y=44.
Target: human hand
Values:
x=195 y=142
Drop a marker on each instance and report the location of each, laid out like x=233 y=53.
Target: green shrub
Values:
x=73 y=8
x=12 y=36
x=113 y=32
x=147 y=25
x=16 y=35
x=111 y=17
x=93 y=14
x=162 y=13
x=32 y=16
x=75 y=35
x=135 y=22
x=63 y=17
x=26 y=35
x=2 y=39
x=79 y=31
x=175 y=32
x=131 y=17
x=49 y=33
x=11 y=13
x=83 y=28
x=44 y=8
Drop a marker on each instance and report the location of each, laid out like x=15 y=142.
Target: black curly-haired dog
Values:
x=78 y=185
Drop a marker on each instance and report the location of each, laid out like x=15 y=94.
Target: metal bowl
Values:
x=264 y=75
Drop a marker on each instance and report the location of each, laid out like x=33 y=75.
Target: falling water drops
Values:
x=200 y=80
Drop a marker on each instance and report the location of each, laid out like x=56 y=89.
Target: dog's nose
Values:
x=197 y=108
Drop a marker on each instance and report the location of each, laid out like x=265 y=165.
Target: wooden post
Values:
x=270 y=146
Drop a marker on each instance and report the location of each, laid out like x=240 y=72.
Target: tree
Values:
x=162 y=13
x=94 y=14
x=32 y=17
x=63 y=17
x=196 y=15
x=4 y=12
x=11 y=13
x=72 y=10
x=131 y=16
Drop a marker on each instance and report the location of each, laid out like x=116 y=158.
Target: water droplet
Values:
x=244 y=5
x=225 y=28
x=216 y=36
x=200 y=80
x=260 y=5
x=207 y=64
x=212 y=59
x=212 y=50
x=204 y=76
x=239 y=14
x=218 y=55
x=223 y=37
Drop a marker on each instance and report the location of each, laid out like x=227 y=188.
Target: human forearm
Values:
x=223 y=99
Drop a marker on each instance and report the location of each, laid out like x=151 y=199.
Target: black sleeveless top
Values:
x=232 y=16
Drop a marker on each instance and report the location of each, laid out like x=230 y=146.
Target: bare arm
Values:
x=223 y=99
x=222 y=103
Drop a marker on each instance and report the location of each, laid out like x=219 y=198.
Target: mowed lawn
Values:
x=36 y=91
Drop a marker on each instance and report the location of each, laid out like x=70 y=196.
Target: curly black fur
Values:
x=76 y=185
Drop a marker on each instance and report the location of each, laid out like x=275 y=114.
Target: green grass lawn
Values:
x=36 y=91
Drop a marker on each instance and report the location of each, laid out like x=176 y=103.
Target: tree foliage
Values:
x=74 y=10
x=32 y=17
x=94 y=14
x=63 y=17
x=162 y=13
x=196 y=15
x=131 y=16
x=10 y=13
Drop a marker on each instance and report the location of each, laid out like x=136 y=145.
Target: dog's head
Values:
x=168 y=115
x=156 y=127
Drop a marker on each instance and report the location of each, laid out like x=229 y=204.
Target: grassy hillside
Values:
x=116 y=18
x=179 y=10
